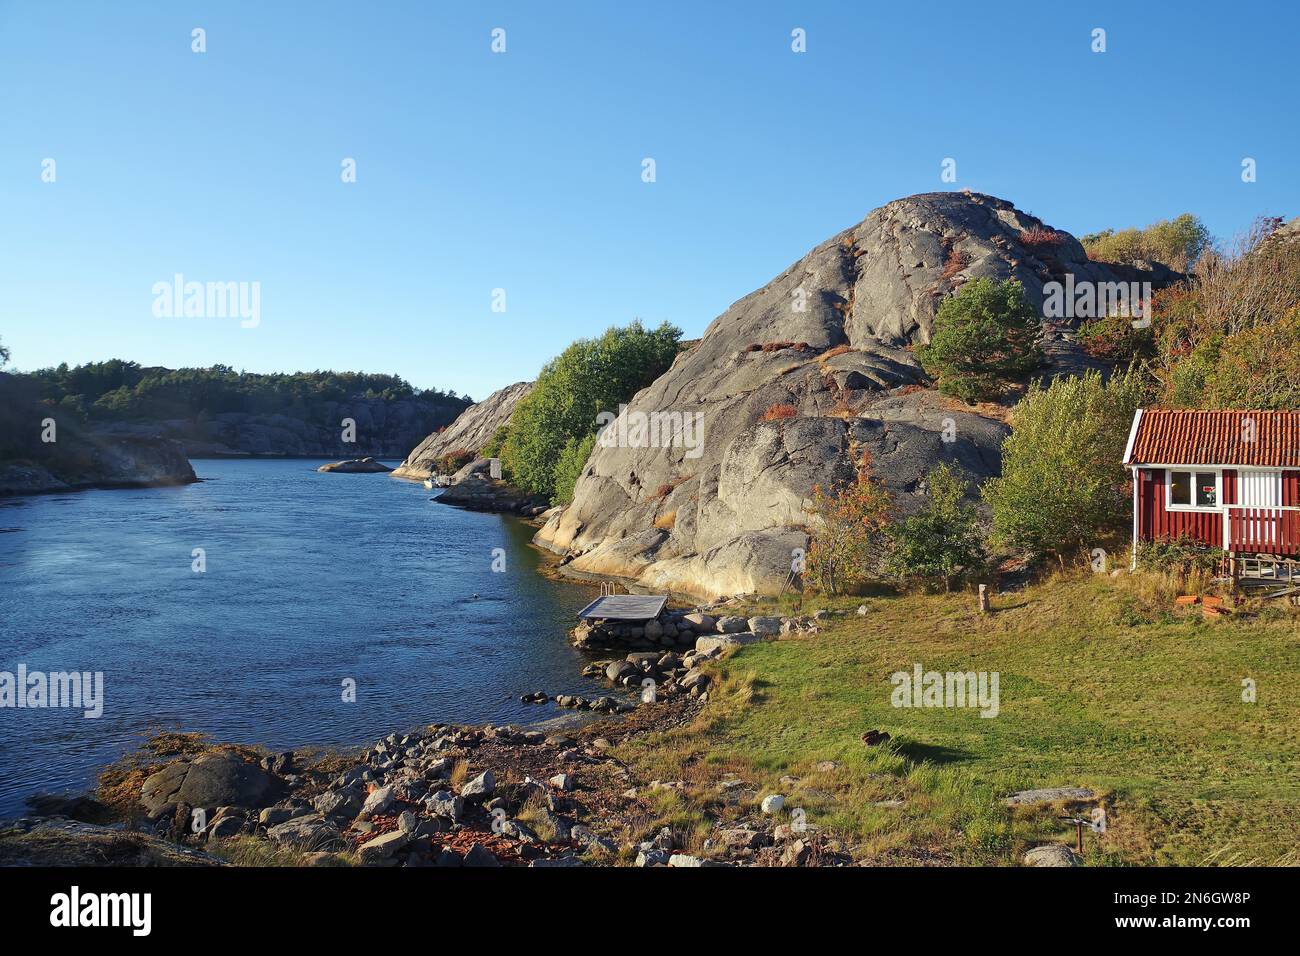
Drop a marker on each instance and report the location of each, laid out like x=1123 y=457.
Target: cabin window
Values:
x=1194 y=489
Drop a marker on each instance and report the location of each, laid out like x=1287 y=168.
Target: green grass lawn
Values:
x=1103 y=684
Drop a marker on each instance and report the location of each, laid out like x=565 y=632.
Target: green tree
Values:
x=984 y=337
x=943 y=540
x=849 y=526
x=568 y=467
x=1256 y=368
x=589 y=377
x=1178 y=243
x=1063 y=485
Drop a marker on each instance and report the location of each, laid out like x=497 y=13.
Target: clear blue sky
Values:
x=522 y=171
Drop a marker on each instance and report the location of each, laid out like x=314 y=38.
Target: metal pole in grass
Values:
x=1079 y=824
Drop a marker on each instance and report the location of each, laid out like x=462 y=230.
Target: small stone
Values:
x=379 y=801
x=519 y=831
x=382 y=847
x=743 y=838
x=479 y=788
x=444 y=804
x=773 y=803
x=562 y=781
x=271 y=816
x=227 y=826
x=480 y=856
x=796 y=854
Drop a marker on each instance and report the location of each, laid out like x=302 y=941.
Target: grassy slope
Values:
x=1103 y=684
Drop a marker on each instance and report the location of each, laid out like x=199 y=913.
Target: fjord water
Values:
x=311 y=579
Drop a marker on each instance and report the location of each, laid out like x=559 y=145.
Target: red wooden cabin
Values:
x=1228 y=480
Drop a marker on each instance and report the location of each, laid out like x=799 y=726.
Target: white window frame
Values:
x=1194 y=470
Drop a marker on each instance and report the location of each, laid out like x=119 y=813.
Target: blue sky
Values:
x=522 y=170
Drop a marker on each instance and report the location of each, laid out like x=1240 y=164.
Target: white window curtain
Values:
x=1261 y=489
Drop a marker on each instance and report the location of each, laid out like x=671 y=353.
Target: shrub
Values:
x=591 y=376
x=1178 y=243
x=984 y=338
x=1063 y=489
x=1115 y=339
x=666 y=520
x=1257 y=368
x=943 y=541
x=454 y=460
x=778 y=411
x=838 y=350
x=1183 y=556
x=956 y=261
x=1226 y=337
x=1036 y=237
x=849 y=523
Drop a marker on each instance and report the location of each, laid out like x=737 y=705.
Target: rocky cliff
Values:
x=793 y=383
x=468 y=434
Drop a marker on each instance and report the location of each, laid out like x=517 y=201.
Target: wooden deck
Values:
x=624 y=607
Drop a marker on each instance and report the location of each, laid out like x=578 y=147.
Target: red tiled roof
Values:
x=1168 y=436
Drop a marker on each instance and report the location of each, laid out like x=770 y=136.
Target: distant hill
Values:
x=220 y=412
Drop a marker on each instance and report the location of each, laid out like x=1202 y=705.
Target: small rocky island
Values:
x=356 y=466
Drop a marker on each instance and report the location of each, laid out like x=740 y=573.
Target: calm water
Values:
x=311 y=578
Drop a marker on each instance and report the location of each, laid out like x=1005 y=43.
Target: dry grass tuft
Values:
x=778 y=411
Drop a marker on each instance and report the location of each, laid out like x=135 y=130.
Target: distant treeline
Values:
x=123 y=391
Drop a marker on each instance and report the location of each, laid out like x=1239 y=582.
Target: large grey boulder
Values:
x=1053 y=854
x=1029 y=798
x=211 y=780
x=468 y=434
x=724 y=509
x=310 y=832
x=721 y=642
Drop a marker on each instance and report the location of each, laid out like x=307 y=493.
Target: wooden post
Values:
x=984 y=598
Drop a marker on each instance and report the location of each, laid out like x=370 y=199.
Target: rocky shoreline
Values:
x=451 y=795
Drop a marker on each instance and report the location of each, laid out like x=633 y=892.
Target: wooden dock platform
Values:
x=624 y=607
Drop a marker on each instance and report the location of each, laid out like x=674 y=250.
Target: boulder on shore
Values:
x=212 y=779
